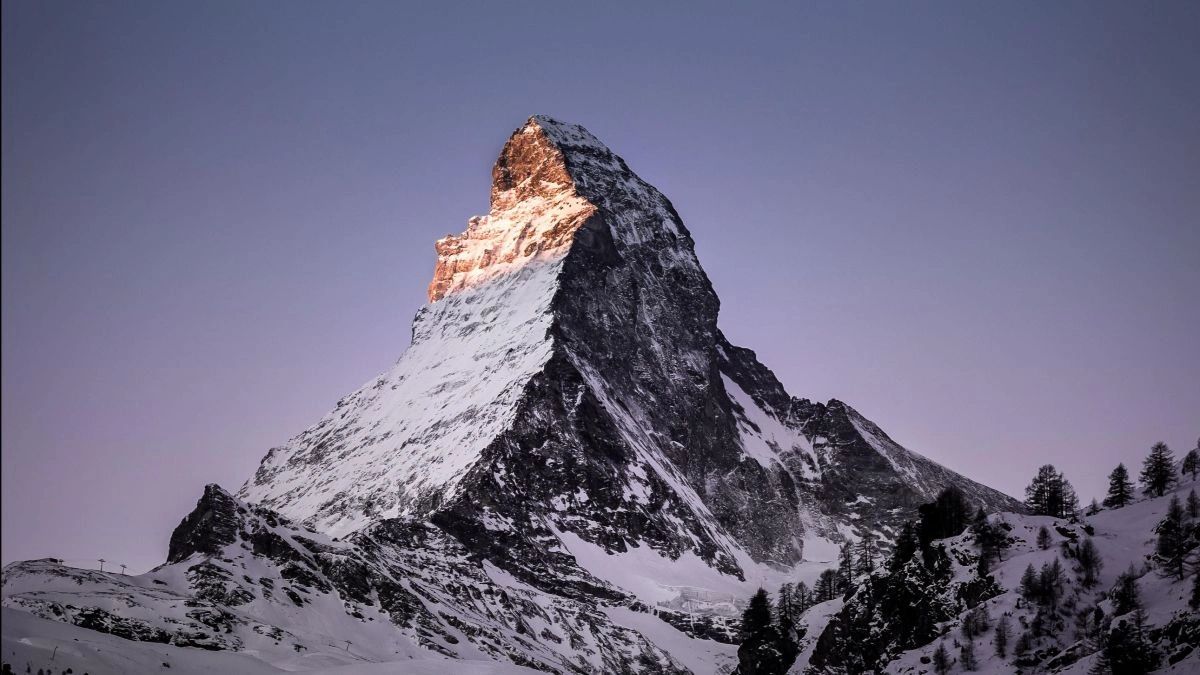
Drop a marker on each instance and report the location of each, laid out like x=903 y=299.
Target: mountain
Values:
x=569 y=469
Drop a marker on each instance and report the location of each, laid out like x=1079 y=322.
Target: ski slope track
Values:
x=570 y=469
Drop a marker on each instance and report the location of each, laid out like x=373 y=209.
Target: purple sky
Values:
x=978 y=225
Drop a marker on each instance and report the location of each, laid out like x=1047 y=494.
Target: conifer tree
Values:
x=1125 y=593
x=845 y=570
x=1193 y=505
x=1029 y=588
x=1051 y=494
x=1158 y=470
x=1127 y=649
x=1120 y=489
x=757 y=617
x=1050 y=582
x=1043 y=538
x=865 y=563
x=803 y=598
x=759 y=653
x=941 y=659
x=983 y=566
x=1090 y=560
x=1171 y=549
x=1191 y=462
x=1000 y=638
x=1024 y=643
x=945 y=516
x=786 y=613
x=826 y=586
x=907 y=545
x=976 y=622
x=1093 y=508
x=966 y=655
x=991 y=540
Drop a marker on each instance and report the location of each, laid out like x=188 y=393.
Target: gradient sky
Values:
x=978 y=224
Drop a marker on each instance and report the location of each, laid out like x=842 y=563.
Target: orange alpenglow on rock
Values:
x=535 y=212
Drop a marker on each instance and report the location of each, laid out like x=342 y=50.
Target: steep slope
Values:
x=570 y=468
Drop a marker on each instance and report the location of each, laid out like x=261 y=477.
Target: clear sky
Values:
x=978 y=223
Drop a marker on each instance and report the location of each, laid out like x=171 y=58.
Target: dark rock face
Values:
x=210 y=527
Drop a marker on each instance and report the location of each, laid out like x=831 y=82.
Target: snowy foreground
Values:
x=54 y=647
x=1124 y=538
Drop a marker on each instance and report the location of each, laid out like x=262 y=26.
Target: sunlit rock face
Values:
x=534 y=215
x=568 y=440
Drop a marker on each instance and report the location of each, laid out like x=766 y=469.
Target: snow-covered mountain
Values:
x=569 y=469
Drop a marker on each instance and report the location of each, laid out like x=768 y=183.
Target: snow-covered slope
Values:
x=1065 y=637
x=570 y=468
x=37 y=644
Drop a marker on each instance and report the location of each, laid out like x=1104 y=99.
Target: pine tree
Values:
x=1090 y=560
x=1024 y=643
x=803 y=598
x=865 y=564
x=983 y=566
x=1051 y=494
x=1043 y=538
x=1171 y=549
x=976 y=622
x=785 y=609
x=1093 y=508
x=966 y=655
x=907 y=545
x=946 y=516
x=845 y=570
x=1191 y=462
x=1120 y=489
x=1088 y=626
x=1029 y=588
x=1000 y=637
x=1193 y=505
x=1125 y=593
x=1050 y=582
x=757 y=617
x=1068 y=500
x=826 y=586
x=991 y=540
x=941 y=659
x=759 y=653
x=1127 y=649
x=1158 y=470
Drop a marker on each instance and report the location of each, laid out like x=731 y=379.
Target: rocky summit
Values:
x=570 y=469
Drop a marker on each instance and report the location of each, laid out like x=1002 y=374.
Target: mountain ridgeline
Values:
x=570 y=469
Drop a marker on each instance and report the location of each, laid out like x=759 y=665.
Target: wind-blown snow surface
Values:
x=414 y=431
x=569 y=469
x=55 y=647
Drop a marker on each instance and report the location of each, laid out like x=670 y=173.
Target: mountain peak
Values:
x=535 y=210
x=549 y=180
